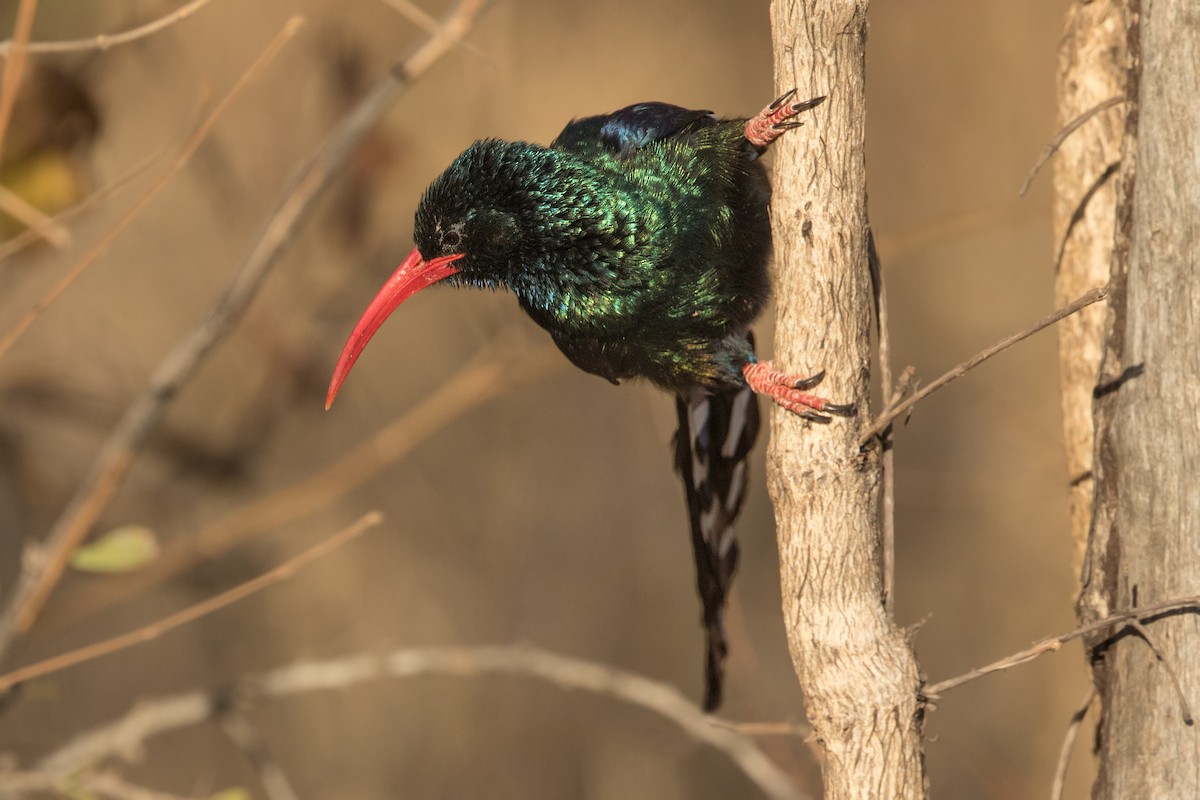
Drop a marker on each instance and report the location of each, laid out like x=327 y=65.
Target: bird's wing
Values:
x=716 y=432
x=631 y=127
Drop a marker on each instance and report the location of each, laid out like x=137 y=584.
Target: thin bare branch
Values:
x=763 y=728
x=1068 y=745
x=1053 y=643
x=1061 y=137
x=128 y=735
x=43 y=568
x=174 y=168
x=414 y=14
x=153 y=717
x=37 y=223
x=428 y=23
x=44 y=563
x=12 y=246
x=885 y=418
x=106 y=40
x=155 y=629
x=485 y=376
x=14 y=68
x=1184 y=706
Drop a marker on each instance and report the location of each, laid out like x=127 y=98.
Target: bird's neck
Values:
x=578 y=226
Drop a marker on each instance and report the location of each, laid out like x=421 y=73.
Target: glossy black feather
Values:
x=716 y=433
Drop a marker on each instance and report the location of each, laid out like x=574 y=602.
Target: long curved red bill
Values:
x=413 y=275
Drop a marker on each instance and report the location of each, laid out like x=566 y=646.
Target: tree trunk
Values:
x=857 y=671
x=1092 y=70
x=1145 y=537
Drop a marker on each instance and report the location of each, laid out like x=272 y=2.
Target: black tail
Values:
x=716 y=432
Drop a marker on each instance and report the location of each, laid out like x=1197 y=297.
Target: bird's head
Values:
x=476 y=224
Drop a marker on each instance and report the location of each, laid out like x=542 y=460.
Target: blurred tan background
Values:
x=549 y=515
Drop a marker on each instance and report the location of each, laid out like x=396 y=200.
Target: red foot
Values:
x=788 y=391
x=776 y=118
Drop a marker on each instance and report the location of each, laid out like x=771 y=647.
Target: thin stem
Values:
x=885 y=418
x=1068 y=745
x=14 y=68
x=45 y=564
x=174 y=168
x=155 y=629
x=1053 y=643
x=156 y=716
x=104 y=41
x=1061 y=137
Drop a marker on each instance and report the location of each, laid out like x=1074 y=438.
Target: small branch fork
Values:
x=1134 y=619
x=895 y=409
x=169 y=623
x=491 y=372
x=160 y=182
x=105 y=40
x=44 y=563
x=42 y=570
x=154 y=717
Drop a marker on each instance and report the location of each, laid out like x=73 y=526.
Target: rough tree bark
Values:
x=1092 y=71
x=857 y=671
x=1145 y=537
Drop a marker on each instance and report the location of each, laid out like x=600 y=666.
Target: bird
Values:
x=640 y=241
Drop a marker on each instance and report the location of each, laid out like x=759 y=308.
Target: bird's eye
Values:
x=451 y=238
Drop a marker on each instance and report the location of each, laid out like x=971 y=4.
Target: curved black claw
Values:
x=784 y=98
x=840 y=409
x=787 y=126
x=809 y=382
x=815 y=416
x=807 y=104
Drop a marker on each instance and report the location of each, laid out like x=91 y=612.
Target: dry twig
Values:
x=1050 y=644
x=10 y=85
x=1068 y=745
x=189 y=148
x=10 y=247
x=764 y=728
x=155 y=629
x=43 y=569
x=37 y=224
x=1184 y=706
x=154 y=717
x=1061 y=137
x=14 y=67
x=890 y=413
x=427 y=22
x=44 y=563
x=105 y=40
x=481 y=379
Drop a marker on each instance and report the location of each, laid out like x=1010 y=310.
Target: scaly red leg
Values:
x=789 y=392
x=776 y=118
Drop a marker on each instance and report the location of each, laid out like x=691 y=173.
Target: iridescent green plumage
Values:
x=646 y=260
x=639 y=240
